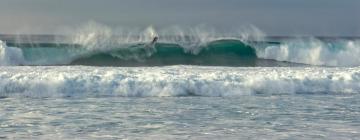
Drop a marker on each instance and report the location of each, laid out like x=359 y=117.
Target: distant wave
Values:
x=214 y=53
x=98 y=45
x=82 y=81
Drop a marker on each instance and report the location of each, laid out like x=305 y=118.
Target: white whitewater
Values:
x=96 y=36
x=174 y=81
x=314 y=52
x=10 y=55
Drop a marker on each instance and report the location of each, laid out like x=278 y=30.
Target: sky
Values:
x=274 y=17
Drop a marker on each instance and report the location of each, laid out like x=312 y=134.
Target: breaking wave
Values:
x=80 y=81
x=314 y=52
x=98 y=45
x=10 y=55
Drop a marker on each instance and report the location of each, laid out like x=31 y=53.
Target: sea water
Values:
x=298 y=116
x=192 y=84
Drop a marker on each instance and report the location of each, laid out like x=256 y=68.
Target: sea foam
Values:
x=60 y=81
x=314 y=52
x=10 y=56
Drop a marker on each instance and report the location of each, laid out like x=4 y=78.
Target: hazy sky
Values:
x=274 y=17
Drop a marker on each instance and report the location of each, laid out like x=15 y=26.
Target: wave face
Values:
x=222 y=52
x=216 y=53
x=60 y=81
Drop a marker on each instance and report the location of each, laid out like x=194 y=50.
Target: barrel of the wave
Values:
x=228 y=53
x=10 y=56
x=214 y=53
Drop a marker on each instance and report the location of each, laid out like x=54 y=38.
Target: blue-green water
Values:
x=215 y=52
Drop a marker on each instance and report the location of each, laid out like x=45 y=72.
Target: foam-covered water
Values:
x=10 y=56
x=175 y=81
x=247 y=117
x=314 y=51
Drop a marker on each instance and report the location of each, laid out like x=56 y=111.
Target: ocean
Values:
x=194 y=84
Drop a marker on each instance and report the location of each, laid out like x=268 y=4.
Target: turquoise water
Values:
x=216 y=52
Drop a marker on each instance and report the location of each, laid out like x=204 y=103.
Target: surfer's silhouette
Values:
x=150 y=48
x=152 y=43
x=154 y=40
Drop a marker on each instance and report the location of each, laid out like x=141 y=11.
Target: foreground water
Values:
x=301 y=116
x=179 y=102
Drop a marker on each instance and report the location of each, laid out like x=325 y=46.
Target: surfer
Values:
x=154 y=40
x=150 y=48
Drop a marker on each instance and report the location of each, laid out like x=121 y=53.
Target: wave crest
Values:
x=314 y=51
x=10 y=56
